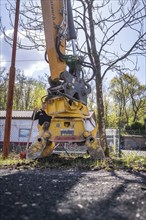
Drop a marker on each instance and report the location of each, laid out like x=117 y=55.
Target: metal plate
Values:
x=67 y=132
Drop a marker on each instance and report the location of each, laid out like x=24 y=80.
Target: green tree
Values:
x=27 y=91
x=20 y=81
x=4 y=77
x=129 y=95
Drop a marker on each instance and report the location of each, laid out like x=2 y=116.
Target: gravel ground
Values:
x=66 y=194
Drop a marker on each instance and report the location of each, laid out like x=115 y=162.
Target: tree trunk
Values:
x=100 y=107
x=98 y=79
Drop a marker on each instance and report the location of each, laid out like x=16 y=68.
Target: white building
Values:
x=20 y=127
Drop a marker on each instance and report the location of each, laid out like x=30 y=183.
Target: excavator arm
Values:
x=59 y=29
x=67 y=95
x=54 y=21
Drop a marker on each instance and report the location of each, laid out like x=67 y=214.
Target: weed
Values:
x=74 y=161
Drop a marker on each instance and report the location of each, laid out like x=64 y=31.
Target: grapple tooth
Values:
x=40 y=148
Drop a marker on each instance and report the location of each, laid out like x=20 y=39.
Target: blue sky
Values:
x=32 y=61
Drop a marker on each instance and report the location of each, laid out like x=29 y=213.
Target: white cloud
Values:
x=36 y=68
x=2 y=64
x=32 y=62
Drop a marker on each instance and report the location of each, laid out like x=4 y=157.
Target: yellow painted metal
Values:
x=62 y=106
x=48 y=150
x=65 y=129
x=52 y=17
x=41 y=147
x=68 y=119
x=72 y=128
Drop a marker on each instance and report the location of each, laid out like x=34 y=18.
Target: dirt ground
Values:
x=47 y=194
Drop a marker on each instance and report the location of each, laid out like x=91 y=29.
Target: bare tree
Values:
x=30 y=31
x=101 y=24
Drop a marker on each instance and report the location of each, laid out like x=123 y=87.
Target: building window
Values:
x=24 y=132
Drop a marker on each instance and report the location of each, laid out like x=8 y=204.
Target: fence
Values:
x=132 y=132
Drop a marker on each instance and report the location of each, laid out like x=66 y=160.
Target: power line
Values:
x=8 y=61
x=30 y=60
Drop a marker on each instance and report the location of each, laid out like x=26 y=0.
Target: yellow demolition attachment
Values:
x=70 y=124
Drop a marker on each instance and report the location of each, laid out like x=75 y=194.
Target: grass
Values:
x=13 y=159
x=64 y=161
